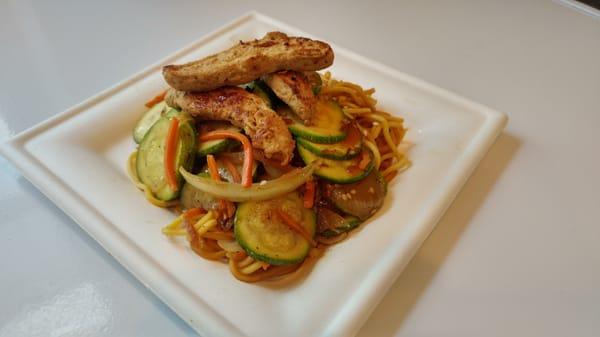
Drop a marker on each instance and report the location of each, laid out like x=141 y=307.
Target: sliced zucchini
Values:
x=330 y=224
x=262 y=90
x=192 y=197
x=339 y=171
x=327 y=123
x=218 y=145
x=151 y=153
x=349 y=148
x=360 y=199
x=265 y=237
x=148 y=119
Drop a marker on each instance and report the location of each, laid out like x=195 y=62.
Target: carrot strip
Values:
x=212 y=167
x=225 y=206
x=192 y=213
x=170 y=152
x=231 y=168
x=309 y=194
x=214 y=175
x=296 y=227
x=248 y=153
x=157 y=99
x=364 y=161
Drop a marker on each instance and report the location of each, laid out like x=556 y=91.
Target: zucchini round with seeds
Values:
x=346 y=149
x=340 y=171
x=265 y=237
x=327 y=123
x=151 y=154
x=361 y=199
x=217 y=145
x=148 y=119
x=331 y=224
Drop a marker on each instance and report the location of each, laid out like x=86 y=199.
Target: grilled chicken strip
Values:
x=267 y=131
x=247 y=61
x=294 y=89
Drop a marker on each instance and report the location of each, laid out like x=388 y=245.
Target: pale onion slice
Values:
x=258 y=191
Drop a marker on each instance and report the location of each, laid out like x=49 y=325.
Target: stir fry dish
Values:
x=264 y=161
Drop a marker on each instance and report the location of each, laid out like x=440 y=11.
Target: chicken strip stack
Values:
x=267 y=131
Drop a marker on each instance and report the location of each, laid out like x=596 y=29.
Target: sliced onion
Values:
x=257 y=192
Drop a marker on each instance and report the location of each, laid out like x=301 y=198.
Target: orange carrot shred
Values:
x=212 y=167
x=232 y=170
x=225 y=206
x=170 y=152
x=248 y=153
x=192 y=213
x=364 y=161
x=296 y=227
x=309 y=194
x=157 y=99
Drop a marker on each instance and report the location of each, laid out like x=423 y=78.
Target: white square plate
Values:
x=78 y=160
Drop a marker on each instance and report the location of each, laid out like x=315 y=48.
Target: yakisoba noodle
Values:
x=383 y=132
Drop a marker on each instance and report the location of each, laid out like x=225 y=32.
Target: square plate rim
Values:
x=348 y=320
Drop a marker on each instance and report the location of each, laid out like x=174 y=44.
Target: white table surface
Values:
x=517 y=254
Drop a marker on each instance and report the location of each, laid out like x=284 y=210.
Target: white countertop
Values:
x=518 y=252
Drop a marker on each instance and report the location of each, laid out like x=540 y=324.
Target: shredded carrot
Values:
x=225 y=206
x=248 y=154
x=212 y=168
x=170 y=152
x=192 y=213
x=296 y=227
x=364 y=161
x=157 y=99
x=309 y=194
x=231 y=168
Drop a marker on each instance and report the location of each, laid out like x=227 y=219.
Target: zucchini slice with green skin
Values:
x=217 y=145
x=151 y=154
x=327 y=123
x=148 y=119
x=331 y=224
x=264 y=236
x=346 y=149
x=339 y=171
x=361 y=199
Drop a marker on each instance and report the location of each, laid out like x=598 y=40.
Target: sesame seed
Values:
x=353 y=191
x=264 y=182
x=371 y=190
